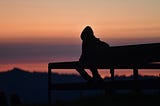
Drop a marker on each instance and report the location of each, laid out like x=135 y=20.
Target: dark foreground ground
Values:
x=119 y=100
x=129 y=99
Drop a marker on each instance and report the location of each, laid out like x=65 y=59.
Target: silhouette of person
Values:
x=93 y=52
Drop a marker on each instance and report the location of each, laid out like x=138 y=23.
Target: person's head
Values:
x=87 y=33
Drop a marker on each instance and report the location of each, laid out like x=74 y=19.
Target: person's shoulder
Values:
x=105 y=44
x=102 y=42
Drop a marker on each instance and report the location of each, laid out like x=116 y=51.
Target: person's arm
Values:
x=84 y=53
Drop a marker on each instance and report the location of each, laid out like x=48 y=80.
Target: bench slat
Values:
x=126 y=84
x=73 y=65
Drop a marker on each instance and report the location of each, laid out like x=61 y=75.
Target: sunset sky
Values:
x=35 y=32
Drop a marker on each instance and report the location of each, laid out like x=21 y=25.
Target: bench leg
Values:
x=112 y=73
x=49 y=88
x=135 y=74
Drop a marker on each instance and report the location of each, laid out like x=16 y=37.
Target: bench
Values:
x=143 y=56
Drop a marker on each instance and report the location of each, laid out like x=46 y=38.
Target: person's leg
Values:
x=96 y=75
x=84 y=74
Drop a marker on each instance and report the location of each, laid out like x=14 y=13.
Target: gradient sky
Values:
x=35 y=32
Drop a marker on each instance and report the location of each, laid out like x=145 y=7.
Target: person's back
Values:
x=93 y=50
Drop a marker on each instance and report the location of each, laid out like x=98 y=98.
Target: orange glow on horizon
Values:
x=42 y=67
x=59 y=23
